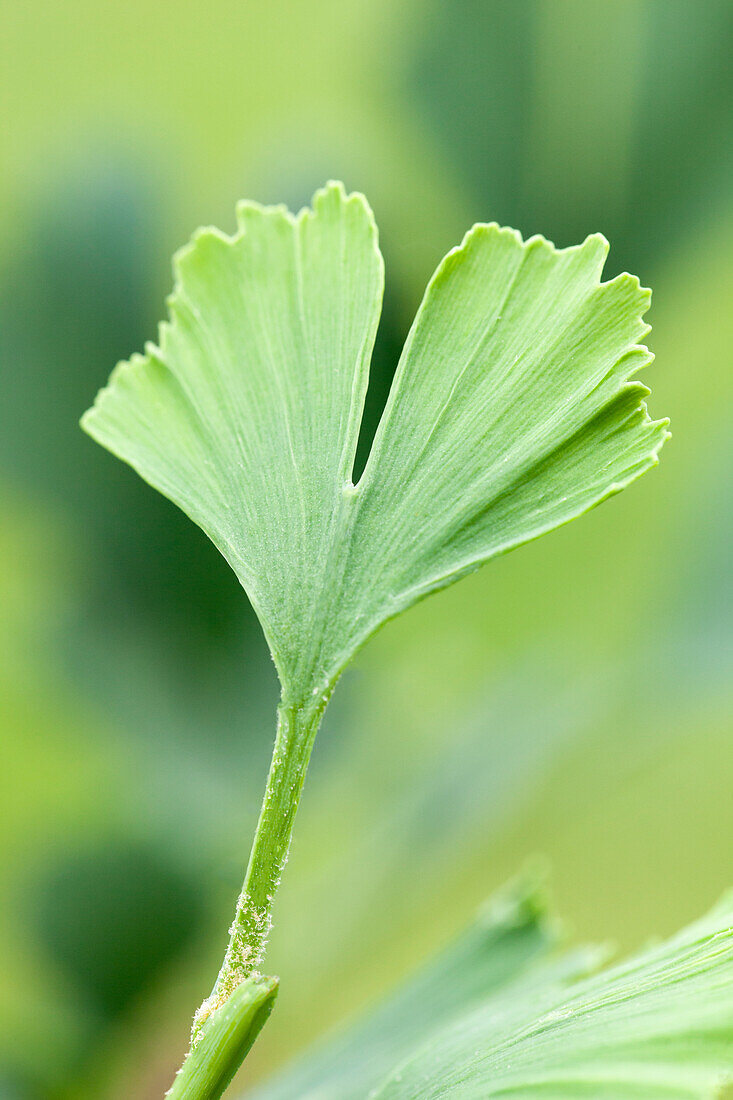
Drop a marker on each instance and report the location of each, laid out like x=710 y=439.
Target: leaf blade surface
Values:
x=511 y=413
x=657 y=1025
x=247 y=414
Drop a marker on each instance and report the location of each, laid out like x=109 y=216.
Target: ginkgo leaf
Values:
x=247 y=413
x=659 y=1025
x=507 y=950
x=511 y=412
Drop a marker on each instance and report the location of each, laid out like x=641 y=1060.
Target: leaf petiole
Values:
x=297 y=727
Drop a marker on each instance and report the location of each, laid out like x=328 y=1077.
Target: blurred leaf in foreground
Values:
x=508 y=945
x=498 y=1015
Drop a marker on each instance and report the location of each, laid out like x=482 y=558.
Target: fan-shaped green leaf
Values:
x=511 y=412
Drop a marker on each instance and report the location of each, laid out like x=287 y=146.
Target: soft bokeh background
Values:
x=571 y=700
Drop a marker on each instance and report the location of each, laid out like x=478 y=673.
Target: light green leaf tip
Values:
x=511 y=412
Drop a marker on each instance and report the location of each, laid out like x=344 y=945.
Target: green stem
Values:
x=224 y=1040
x=296 y=731
x=228 y=1021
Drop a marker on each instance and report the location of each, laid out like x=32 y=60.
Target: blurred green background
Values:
x=572 y=700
